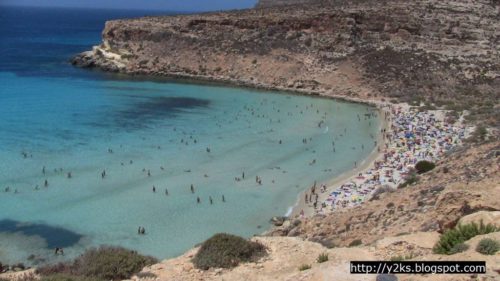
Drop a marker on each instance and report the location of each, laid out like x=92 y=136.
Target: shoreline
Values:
x=333 y=183
x=209 y=80
x=294 y=210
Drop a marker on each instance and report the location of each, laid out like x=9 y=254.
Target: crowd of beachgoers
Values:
x=410 y=136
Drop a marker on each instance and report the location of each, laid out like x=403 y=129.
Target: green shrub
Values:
x=458 y=248
x=355 y=243
x=111 y=263
x=104 y=263
x=460 y=234
x=304 y=267
x=322 y=258
x=225 y=251
x=424 y=166
x=488 y=246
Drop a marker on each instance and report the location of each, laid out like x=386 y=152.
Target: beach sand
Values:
x=331 y=185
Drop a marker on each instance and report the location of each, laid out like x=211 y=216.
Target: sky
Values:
x=164 y=5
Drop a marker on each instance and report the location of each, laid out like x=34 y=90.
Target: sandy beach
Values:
x=375 y=155
x=407 y=136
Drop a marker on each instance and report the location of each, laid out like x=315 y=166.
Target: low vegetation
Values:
x=355 y=243
x=304 y=267
x=451 y=238
x=410 y=180
x=424 y=166
x=226 y=251
x=403 y=257
x=459 y=248
x=479 y=135
x=104 y=263
x=327 y=243
x=488 y=246
x=322 y=258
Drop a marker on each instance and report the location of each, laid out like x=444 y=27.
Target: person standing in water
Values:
x=192 y=188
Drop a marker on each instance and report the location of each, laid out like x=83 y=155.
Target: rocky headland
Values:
x=429 y=54
x=441 y=53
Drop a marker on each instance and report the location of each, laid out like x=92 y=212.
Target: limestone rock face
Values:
x=482 y=216
x=441 y=52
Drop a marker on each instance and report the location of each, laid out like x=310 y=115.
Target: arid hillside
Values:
x=441 y=53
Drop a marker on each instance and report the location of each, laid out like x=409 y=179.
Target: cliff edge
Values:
x=440 y=53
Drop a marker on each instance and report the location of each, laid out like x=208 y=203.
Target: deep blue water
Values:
x=56 y=119
x=40 y=41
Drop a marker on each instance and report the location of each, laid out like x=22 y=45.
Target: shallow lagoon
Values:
x=85 y=122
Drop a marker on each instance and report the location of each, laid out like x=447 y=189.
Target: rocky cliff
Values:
x=442 y=53
x=275 y=3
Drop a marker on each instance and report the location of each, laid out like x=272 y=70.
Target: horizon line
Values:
x=114 y=9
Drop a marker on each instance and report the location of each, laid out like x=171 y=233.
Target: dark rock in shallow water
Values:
x=85 y=60
x=54 y=236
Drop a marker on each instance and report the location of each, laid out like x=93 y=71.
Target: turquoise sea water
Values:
x=82 y=122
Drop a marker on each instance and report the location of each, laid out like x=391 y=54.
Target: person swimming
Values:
x=141 y=230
